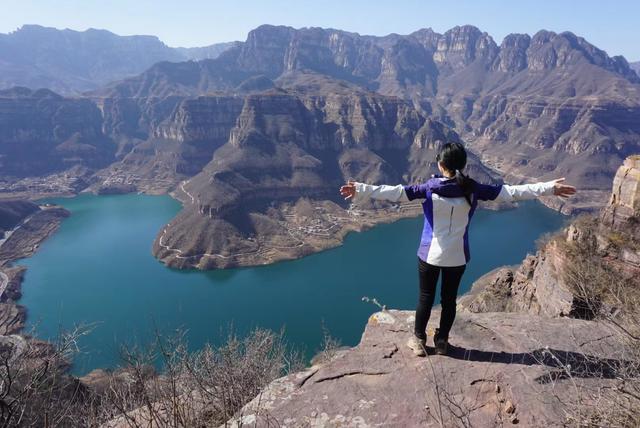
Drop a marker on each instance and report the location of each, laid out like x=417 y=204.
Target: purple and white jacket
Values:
x=445 y=235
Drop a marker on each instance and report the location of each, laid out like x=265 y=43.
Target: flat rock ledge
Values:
x=502 y=369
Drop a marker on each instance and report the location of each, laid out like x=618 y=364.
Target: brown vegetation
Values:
x=204 y=388
x=608 y=290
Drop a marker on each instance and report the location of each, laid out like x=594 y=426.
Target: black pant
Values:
x=428 y=275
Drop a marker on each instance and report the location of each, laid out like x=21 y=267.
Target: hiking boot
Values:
x=417 y=345
x=441 y=343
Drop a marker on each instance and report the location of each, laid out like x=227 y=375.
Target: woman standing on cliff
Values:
x=448 y=204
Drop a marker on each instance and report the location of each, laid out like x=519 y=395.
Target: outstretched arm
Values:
x=382 y=192
x=520 y=192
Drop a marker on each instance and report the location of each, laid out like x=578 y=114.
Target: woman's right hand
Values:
x=348 y=190
x=563 y=190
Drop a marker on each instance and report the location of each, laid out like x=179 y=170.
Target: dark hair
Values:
x=453 y=157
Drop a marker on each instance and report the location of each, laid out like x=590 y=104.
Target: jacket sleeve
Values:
x=417 y=191
x=506 y=192
x=382 y=192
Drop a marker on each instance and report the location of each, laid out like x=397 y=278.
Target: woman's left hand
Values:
x=348 y=190
x=563 y=190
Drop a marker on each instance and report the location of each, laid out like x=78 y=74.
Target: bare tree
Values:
x=35 y=387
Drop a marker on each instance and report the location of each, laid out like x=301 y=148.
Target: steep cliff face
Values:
x=623 y=209
x=163 y=141
x=541 y=284
x=462 y=46
x=42 y=132
x=463 y=60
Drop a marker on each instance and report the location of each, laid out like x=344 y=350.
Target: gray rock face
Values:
x=624 y=204
x=461 y=46
x=418 y=62
x=206 y=52
x=42 y=132
x=513 y=53
x=498 y=371
x=538 y=285
x=535 y=287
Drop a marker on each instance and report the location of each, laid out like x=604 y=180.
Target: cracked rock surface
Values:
x=502 y=368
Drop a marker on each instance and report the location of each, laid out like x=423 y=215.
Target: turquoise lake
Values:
x=98 y=269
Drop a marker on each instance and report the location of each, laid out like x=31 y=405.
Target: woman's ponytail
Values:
x=466 y=184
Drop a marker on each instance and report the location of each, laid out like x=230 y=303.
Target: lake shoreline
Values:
x=23 y=242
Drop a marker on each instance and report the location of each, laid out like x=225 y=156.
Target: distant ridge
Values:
x=415 y=65
x=71 y=62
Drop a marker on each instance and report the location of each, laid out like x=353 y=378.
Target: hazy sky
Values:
x=612 y=25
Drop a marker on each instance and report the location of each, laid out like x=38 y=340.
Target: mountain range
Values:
x=256 y=141
x=70 y=62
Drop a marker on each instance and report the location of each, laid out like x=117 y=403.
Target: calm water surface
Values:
x=98 y=269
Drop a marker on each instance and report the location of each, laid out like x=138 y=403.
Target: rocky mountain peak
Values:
x=428 y=38
x=264 y=50
x=460 y=46
x=548 y=50
x=513 y=53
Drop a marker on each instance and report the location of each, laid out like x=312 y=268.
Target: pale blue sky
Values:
x=611 y=25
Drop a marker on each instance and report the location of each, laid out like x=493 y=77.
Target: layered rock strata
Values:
x=285 y=152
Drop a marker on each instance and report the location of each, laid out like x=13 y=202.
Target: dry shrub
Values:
x=329 y=348
x=606 y=290
x=203 y=388
x=35 y=388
